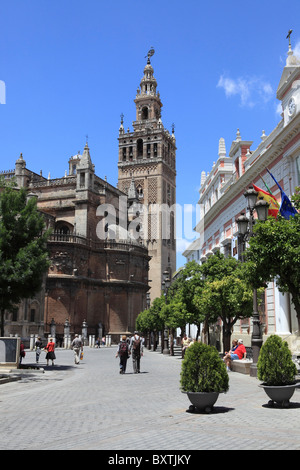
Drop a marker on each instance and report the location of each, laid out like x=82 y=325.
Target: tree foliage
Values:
x=226 y=295
x=180 y=306
x=274 y=253
x=203 y=294
x=23 y=250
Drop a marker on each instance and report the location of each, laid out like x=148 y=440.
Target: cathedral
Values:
x=110 y=246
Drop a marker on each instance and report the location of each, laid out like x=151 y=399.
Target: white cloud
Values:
x=297 y=49
x=251 y=91
x=182 y=244
x=279 y=108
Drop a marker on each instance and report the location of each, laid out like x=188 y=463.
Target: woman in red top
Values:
x=50 y=351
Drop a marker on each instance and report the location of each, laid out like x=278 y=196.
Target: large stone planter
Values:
x=280 y=394
x=202 y=401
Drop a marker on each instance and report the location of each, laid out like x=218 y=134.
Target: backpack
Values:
x=123 y=348
x=136 y=344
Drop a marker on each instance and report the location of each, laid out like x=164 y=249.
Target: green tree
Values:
x=23 y=248
x=180 y=305
x=274 y=253
x=225 y=295
x=152 y=318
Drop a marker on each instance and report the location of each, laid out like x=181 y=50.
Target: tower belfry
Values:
x=147 y=156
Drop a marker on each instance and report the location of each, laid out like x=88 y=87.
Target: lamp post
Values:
x=245 y=229
x=165 y=286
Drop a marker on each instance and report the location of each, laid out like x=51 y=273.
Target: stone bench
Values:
x=241 y=365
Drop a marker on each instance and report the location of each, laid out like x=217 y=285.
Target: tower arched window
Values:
x=139 y=145
x=145 y=113
x=139 y=190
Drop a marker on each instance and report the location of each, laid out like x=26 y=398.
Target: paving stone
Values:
x=91 y=406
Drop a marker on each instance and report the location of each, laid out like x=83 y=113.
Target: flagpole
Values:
x=268 y=189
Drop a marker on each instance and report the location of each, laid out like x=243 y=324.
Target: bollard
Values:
x=31 y=347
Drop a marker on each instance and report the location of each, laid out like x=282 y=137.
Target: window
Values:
x=298 y=169
x=15 y=314
x=139 y=145
x=139 y=190
x=32 y=314
x=145 y=113
x=227 y=250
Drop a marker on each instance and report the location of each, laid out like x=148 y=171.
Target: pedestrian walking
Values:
x=22 y=352
x=38 y=349
x=50 y=348
x=136 y=350
x=123 y=354
x=77 y=346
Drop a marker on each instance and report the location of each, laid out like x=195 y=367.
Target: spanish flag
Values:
x=271 y=200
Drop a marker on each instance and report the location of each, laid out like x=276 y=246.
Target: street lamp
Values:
x=165 y=286
x=245 y=230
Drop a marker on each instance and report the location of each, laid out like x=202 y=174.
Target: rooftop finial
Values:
x=150 y=54
x=289 y=36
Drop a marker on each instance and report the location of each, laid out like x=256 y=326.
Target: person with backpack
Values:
x=136 y=349
x=123 y=354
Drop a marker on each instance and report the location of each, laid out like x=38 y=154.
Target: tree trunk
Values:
x=171 y=342
x=226 y=336
x=198 y=331
x=205 y=332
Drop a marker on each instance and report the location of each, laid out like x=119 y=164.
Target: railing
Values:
x=97 y=245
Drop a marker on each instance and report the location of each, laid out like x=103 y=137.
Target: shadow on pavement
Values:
x=36 y=367
x=214 y=410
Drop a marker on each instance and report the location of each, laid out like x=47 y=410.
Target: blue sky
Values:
x=70 y=68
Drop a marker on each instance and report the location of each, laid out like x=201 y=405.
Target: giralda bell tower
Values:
x=147 y=168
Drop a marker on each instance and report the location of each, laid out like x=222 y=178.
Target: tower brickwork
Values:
x=147 y=157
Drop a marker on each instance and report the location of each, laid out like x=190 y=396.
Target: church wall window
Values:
x=15 y=312
x=32 y=314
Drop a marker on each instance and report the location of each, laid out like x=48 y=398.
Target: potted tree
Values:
x=203 y=376
x=277 y=370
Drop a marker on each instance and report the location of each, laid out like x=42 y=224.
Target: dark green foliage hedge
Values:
x=203 y=370
x=275 y=365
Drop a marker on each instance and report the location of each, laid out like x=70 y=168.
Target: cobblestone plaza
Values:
x=92 y=407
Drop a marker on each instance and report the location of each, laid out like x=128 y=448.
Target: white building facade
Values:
x=222 y=199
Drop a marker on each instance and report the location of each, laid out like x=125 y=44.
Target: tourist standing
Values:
x=50 y=348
